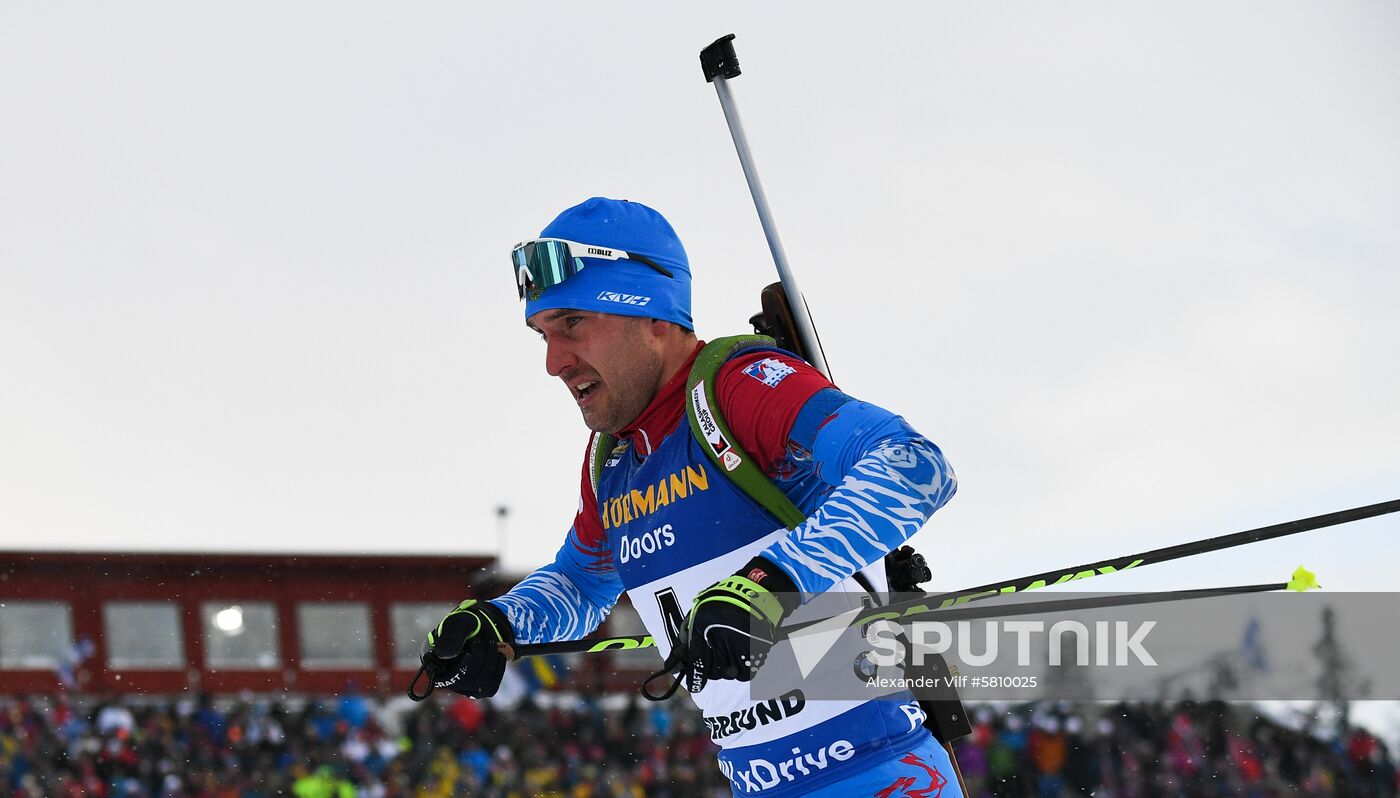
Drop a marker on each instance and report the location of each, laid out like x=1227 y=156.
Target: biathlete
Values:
x=607 y=286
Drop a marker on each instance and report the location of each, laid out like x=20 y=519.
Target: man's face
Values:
x=611 y=364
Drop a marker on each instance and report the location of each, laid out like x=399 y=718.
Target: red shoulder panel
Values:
x=760 y=395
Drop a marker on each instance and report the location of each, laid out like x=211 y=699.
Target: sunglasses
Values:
x=544 y=263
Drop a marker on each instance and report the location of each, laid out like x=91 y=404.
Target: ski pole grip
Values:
x=719 y=61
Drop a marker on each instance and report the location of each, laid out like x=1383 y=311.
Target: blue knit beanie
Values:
x=621 y=287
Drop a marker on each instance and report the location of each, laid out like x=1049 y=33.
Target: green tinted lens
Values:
x=548 y=264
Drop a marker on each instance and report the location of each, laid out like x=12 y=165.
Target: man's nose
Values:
x=558 y=357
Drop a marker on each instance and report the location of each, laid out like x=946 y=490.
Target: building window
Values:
x=34 y=635
x=410 y=623
x=143 y=635
x=335 y=635
x=241 y=635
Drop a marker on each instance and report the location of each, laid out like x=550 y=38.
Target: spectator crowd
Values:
x=597 y=746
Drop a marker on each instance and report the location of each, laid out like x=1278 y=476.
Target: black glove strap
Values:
x=412 y=686
x=675 y=664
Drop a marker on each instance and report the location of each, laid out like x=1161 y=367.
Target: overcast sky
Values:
x=1133 y=267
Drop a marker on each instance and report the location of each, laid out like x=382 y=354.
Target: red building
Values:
x=219 y=623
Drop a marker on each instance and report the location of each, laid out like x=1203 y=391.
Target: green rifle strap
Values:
x=598 y=454
x=713 y=435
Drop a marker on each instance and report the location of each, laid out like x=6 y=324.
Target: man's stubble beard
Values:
x=628 y=394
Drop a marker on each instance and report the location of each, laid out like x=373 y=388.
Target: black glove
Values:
x=905 y=569
x=734 y=623
x=463 y=653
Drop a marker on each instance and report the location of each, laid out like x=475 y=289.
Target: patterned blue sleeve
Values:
x=888 y=480
x=564 y=600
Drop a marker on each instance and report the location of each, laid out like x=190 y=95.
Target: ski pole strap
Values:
x=713 y=434
x=413 y=685
x=675 y=664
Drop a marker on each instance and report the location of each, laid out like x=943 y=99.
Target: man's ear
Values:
x=671 y=333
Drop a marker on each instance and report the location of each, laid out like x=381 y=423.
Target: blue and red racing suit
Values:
x=664 y=525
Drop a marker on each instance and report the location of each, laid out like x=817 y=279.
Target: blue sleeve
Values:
x=564 y=600
x=888 y=481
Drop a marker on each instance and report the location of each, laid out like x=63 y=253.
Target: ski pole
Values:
x=722 y=65
x=1055 y=577
x=1301 y=581
x=1117 y=564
